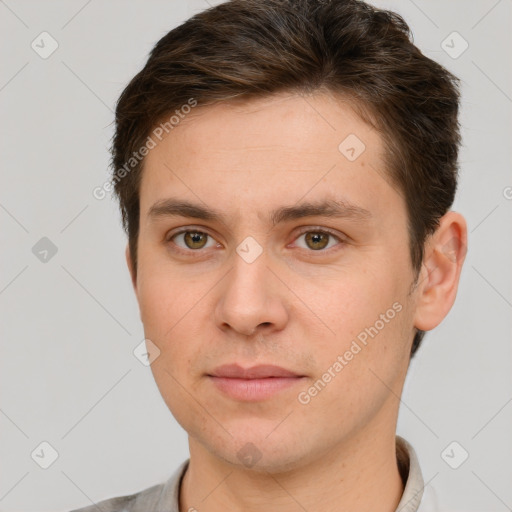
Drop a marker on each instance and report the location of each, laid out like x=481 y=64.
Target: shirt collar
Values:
x=408 y=465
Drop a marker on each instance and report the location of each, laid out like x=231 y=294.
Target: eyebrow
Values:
x=326 y=208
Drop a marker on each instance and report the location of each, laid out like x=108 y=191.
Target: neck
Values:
x=359 y=475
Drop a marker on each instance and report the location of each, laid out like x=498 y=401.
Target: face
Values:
x=265 y=281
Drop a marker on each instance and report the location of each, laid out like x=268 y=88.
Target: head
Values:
x=249 y=110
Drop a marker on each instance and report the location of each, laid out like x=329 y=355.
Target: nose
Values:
x=251 y=298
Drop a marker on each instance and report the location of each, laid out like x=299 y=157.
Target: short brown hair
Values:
x=246 y=49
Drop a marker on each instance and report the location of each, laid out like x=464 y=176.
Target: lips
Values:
x=264 y=371
x=253 y=384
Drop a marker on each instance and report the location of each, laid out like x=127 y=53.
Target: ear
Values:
x=131 y=268
x=445 y=251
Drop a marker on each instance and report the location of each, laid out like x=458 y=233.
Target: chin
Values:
x=261 y=454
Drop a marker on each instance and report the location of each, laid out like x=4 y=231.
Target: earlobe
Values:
x=445 y=252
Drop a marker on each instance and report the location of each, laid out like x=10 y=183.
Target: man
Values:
x=285 y=171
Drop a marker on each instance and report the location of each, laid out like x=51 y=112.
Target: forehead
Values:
x=282 y=124
x=262 y=151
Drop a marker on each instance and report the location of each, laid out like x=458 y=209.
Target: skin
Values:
x=294 y=306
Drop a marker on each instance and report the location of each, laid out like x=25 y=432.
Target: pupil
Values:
x=194 y=237
x=316 y=238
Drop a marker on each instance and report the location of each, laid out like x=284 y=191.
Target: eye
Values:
x=192 y=239
x=318 y=239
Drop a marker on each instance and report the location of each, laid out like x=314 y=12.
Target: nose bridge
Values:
x=250 y=295
x=248 y=281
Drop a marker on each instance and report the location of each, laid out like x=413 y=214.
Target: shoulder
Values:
x=130 y=503
x=159 y=496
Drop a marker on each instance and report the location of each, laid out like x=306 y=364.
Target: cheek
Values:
x=366 y=313
x=174 y=332
x=174 y=319
x=352 y=302
x=161 y=310
x=357 y=372
x=163 y=300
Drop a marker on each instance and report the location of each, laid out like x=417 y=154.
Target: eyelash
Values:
x=310 y=229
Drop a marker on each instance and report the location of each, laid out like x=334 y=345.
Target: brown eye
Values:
x=191 y=240
x=317 y=240
x=195 y=239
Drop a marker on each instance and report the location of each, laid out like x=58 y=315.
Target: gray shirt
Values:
x=164 y=497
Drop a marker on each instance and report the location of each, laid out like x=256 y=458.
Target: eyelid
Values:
x=321 y=229
x=184 y=229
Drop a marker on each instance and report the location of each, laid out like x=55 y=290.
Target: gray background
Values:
x=69 y=325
